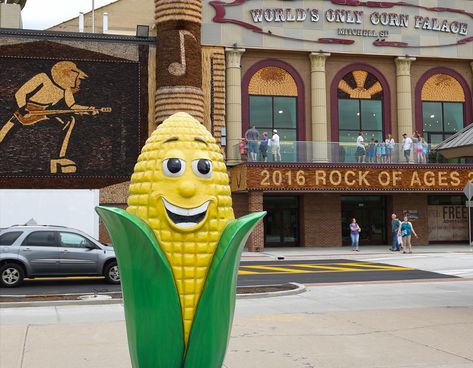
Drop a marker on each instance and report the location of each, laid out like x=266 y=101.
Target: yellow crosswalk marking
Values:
x=328 y=268
x=242 y=272
x=279 y=269
x=368 y=265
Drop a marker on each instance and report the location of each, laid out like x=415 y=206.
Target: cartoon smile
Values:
x=186 y=217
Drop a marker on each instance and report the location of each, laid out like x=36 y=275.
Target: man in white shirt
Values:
x=406 y=146
x=360 y=148
x=275 y=148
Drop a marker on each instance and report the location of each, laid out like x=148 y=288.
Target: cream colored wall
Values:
x=123 y=17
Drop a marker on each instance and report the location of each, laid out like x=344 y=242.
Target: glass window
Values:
x=41 y=239
x=432 y=112
x=9 y=238
x=446 y=200
x=349 y=114
x=261 y=108
x=371 y=115
x=285 y=112
x=453 y=117
x=441 y=120
x=71 y=240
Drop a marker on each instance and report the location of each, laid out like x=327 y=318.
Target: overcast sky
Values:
x=42 y=14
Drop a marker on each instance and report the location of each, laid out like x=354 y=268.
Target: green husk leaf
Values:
x=152 y=307
x=214 y=316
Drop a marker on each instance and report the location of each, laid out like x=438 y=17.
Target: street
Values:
x=317 y=271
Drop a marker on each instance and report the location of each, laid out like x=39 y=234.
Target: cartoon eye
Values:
x=174 y=167
x=202 y=168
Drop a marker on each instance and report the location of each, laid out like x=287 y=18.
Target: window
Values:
x=443 y=107
x=438 y=200
x=360 y=107
x=41 y=239
x=9 y=238
x=70 y=240
x=272 y=104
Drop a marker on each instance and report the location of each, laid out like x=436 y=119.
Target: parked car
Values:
x=45 y=251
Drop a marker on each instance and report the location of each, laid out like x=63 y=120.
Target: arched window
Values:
x=443 y=106
x=360 y=106
x=272 y=98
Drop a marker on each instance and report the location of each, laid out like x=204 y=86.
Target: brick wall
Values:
x=256 y=240
x=240 y=204
x=414 y=201
x=321 y=220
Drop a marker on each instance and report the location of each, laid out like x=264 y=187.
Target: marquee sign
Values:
x=397 y=27
x=354 y=178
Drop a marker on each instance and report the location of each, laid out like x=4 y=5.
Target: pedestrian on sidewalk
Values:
x=355 y=235
x=395 y=224
x=405 y=231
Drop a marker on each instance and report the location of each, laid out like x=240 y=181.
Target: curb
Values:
x=300 y=288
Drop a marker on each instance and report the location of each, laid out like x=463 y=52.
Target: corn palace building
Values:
x=316 y=71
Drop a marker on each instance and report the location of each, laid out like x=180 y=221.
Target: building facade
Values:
x=319 y=72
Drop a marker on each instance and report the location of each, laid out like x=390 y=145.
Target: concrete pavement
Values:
x=389 y=324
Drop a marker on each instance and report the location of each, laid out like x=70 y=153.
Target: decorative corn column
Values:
x=319 y=105
x=404 y=95
x=233 y=110
x=178 y=60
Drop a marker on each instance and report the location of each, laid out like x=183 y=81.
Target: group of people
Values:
x=382 y=152
x=402 y=232
x=252 y=143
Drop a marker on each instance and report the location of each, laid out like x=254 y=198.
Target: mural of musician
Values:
x=46 y=98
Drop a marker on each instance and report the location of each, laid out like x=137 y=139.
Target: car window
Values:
x=40 y=239
x=9 y=238
x=71 y=240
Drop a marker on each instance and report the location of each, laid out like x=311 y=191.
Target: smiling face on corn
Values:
x=180 y=187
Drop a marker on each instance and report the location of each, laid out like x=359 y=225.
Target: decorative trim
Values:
x=467 y=113
x=387 y=126
x=300 y=93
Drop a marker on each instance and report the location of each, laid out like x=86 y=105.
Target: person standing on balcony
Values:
x=252 y=136
x=425 y=150
x=275 y=147
x=406 y=146
x=371 y=151
x=390 y=144
x=263 y=146
x=417 y=148
x=360 y=148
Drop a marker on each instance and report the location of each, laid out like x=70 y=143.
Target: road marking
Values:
x=369 y=265
x=328 y=268
x=279 y=269
x=242 y=272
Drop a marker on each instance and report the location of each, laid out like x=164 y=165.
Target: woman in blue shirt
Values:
x=355 y=235
x=405 y=231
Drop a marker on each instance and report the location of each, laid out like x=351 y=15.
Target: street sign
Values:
x=468 y=190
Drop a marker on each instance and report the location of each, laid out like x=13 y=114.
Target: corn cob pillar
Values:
x=179 y=64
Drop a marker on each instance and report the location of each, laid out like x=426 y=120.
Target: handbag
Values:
x=399 y=240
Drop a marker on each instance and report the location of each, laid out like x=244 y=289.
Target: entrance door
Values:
x=281 y=224
x=370 y=214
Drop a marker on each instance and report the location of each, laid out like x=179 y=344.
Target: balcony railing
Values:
x=338 y=152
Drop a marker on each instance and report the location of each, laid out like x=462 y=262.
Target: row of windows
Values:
x=47 y=239
x=361 y=103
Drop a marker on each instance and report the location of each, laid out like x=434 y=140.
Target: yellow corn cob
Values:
x=188 y=250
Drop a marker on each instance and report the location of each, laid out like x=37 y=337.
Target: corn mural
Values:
x=178 y=248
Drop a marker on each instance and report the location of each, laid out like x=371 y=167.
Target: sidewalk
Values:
x=388 y=325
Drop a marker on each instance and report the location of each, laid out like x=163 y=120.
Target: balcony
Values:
x=343 y=153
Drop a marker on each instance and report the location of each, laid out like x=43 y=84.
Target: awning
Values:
x=458 y=145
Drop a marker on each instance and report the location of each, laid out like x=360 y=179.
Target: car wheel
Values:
x=11 y=275
x=111 y=273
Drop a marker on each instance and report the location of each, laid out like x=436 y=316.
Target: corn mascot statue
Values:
x=178 y=248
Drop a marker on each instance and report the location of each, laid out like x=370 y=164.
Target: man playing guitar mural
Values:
x=36 y=100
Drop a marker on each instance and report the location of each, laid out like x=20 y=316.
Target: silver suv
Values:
x=38 y=251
